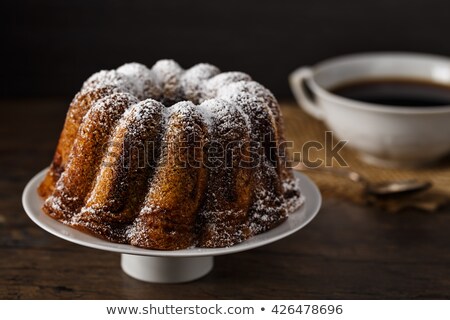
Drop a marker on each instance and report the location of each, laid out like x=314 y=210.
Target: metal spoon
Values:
x=385 y=188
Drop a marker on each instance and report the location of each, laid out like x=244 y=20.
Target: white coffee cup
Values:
x=388 y=136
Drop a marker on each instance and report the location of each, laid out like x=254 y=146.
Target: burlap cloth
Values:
x=301 y=128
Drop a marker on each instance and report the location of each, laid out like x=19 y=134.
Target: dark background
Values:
x=50 y=46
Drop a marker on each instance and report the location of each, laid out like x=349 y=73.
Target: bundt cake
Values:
x=166 y=158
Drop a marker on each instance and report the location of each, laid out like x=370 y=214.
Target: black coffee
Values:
x=396 y=92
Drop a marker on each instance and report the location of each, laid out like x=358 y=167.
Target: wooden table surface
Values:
x=347 y=251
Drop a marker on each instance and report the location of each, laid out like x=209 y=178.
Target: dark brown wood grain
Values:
x=346 y=252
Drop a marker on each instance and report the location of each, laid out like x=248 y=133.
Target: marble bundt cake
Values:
x=166 y=158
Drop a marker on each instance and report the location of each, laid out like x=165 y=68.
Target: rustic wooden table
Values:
x=346 y=252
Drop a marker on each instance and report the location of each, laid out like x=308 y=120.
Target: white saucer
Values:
x=170 y=266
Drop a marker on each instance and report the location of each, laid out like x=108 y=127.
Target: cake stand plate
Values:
x=170 y=266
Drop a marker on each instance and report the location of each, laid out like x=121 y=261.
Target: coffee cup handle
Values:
x=298 y=81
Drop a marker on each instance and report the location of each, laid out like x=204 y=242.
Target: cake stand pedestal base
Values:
x=169 y=266
x=166 y=269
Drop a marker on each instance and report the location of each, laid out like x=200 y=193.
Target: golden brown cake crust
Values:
x=80 y=105
x=223 y=219
x=138 y=160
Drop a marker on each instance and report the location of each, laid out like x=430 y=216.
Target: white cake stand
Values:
x=170 y=266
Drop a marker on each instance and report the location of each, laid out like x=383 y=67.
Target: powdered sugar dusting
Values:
x=230 y=106
x=104 y=111
x=222 y=80
x=192 y=81
x=106 y=78
x=145 y=82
